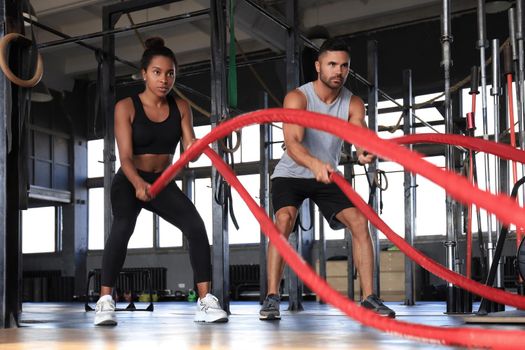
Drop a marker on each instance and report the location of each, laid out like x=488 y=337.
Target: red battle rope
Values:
x=472 y=337
x=458 y=187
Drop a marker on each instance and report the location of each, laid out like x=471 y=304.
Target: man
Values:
x=304 y=172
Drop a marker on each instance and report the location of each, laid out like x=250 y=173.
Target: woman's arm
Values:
x=123 y=117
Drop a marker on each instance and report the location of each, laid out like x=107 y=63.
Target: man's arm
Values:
x=293 y=137
x=357 y=118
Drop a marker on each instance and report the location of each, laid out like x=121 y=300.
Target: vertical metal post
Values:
x=521 y=71
x=409 y=188
x=350 y=266
x=75 y=220
x=520 y=92
x=292 y=47
x=265 y=155
x=513 y=34
x=4 y=108
x=482 y=44
x=16 y=174
x=496 y=93
x=372 y=125
x=221 y=249
x=107 y=102
x=322 y=249
x=450 y=243
x=188 y=187
x=292 y=82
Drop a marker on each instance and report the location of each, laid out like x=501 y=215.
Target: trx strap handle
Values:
x=39 y=71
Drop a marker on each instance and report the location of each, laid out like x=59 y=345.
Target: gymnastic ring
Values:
x=39 y=71
x=226 y=149
x=378 y=176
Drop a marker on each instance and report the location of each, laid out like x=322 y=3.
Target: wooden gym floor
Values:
x=64 y=326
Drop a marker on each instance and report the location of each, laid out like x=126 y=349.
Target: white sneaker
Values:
x=105 y=312
x=209 y=310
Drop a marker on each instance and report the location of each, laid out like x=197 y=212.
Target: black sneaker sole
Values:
x=107 y=323
x=269 y=317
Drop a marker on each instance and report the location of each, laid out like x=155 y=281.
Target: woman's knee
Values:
x=195 y=231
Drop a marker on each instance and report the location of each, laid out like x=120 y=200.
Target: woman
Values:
x=148 y=127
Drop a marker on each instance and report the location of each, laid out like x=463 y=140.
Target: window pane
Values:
x=143 y=234
x=250 y=143
x=249 y=228
x=38 y=230
x=169 y=235
x=277 y=137
x=393 y=199
x=200 y=132
x=202 y=201
x=96 y=219
x=96 y=158
x=430 y=220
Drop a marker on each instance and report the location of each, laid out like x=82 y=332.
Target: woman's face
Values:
x=159 y=77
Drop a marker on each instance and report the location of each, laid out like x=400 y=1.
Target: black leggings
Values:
x=172 y=205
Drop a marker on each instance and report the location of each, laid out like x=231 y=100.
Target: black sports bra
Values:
x=151 y=137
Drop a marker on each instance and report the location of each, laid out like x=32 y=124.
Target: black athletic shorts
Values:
x=287 y=191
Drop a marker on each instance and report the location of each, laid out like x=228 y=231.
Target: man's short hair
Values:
x=334 y=44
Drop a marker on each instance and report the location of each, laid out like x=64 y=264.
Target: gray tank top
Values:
x=320 y=144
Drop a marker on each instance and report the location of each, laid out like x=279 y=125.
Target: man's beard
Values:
x=329 y=83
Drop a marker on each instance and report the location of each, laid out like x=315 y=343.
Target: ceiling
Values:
x=190 y=38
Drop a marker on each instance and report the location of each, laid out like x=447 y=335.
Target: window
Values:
x=169 y=235
x=96 y=158
x=250 y=144
x=278 y=139
x=249 y=228
x=38 y=230
x=202 y=199
x=143 y=234
x=96 y=218
x=200 y=132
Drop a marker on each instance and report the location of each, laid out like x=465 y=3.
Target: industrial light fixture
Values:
x=497 y=6
x=40 y=93
x=137 y=76
x=318 y=34
x=28 y=12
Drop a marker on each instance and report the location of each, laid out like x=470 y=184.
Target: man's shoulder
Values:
x=295 y=99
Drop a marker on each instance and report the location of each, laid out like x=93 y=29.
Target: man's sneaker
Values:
x=373 y=303
x=209 y=310
x=270 y=308
x=105 y=312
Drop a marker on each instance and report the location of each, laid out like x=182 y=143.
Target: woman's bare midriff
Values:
x=152 y=163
